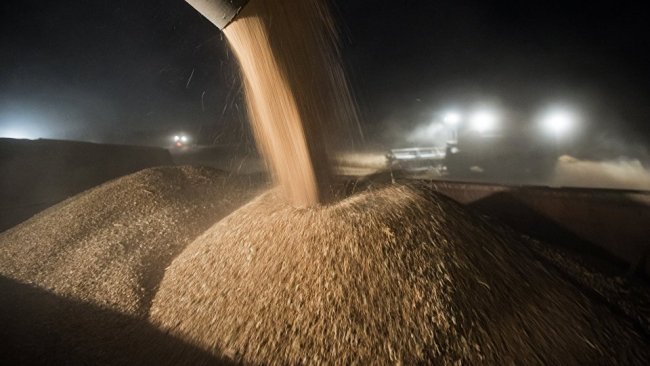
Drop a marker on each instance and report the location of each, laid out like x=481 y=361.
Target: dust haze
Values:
x=621 y=173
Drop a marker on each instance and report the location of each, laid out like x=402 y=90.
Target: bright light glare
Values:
x=20 y=131
x=452 y=118
x=177 y=138
x=484 y=121
x=29 y=122
x=16 y=134
x=559 y=123
x=184 y=138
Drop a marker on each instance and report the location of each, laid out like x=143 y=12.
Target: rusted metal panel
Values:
x=617 y=221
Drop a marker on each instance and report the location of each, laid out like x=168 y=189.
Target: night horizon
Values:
x=121 y=71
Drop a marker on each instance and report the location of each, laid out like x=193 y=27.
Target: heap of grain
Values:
x=298 y=99
x=392 y=275
x=110 y=245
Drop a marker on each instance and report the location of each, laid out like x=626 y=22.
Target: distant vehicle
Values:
x=181 y=141
x=416 y=158
x=514 y=156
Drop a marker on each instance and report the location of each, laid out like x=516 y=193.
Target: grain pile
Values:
x=109 y=246
x=297 y=94
x=397 y=274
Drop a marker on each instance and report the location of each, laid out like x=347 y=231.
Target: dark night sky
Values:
x=118 y=70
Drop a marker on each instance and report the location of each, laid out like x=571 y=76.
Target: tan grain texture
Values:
x=397 y=274
x=110 y=245
x=299 y=102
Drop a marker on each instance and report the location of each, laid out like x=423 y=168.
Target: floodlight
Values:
x=452 y=118
x=484 y=121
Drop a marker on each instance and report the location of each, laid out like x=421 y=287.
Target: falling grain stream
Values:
x=299 y=103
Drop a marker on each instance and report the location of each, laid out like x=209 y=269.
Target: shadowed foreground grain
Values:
x=39 y=328
x=396 y=274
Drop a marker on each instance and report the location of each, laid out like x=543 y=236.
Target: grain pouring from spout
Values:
x=299 y=102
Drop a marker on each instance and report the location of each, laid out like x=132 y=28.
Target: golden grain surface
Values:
x=397 y=274
x=110 y=245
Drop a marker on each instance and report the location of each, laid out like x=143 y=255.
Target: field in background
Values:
x=37 y=174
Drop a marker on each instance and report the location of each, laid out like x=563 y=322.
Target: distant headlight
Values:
x=484 y=121
x=559 y=122
x=452 y=118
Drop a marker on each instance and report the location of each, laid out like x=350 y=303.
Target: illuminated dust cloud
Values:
x=393 y=274
x=298 y=99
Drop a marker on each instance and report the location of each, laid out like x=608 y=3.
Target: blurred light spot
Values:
x=452 y=118
x=484 y=121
